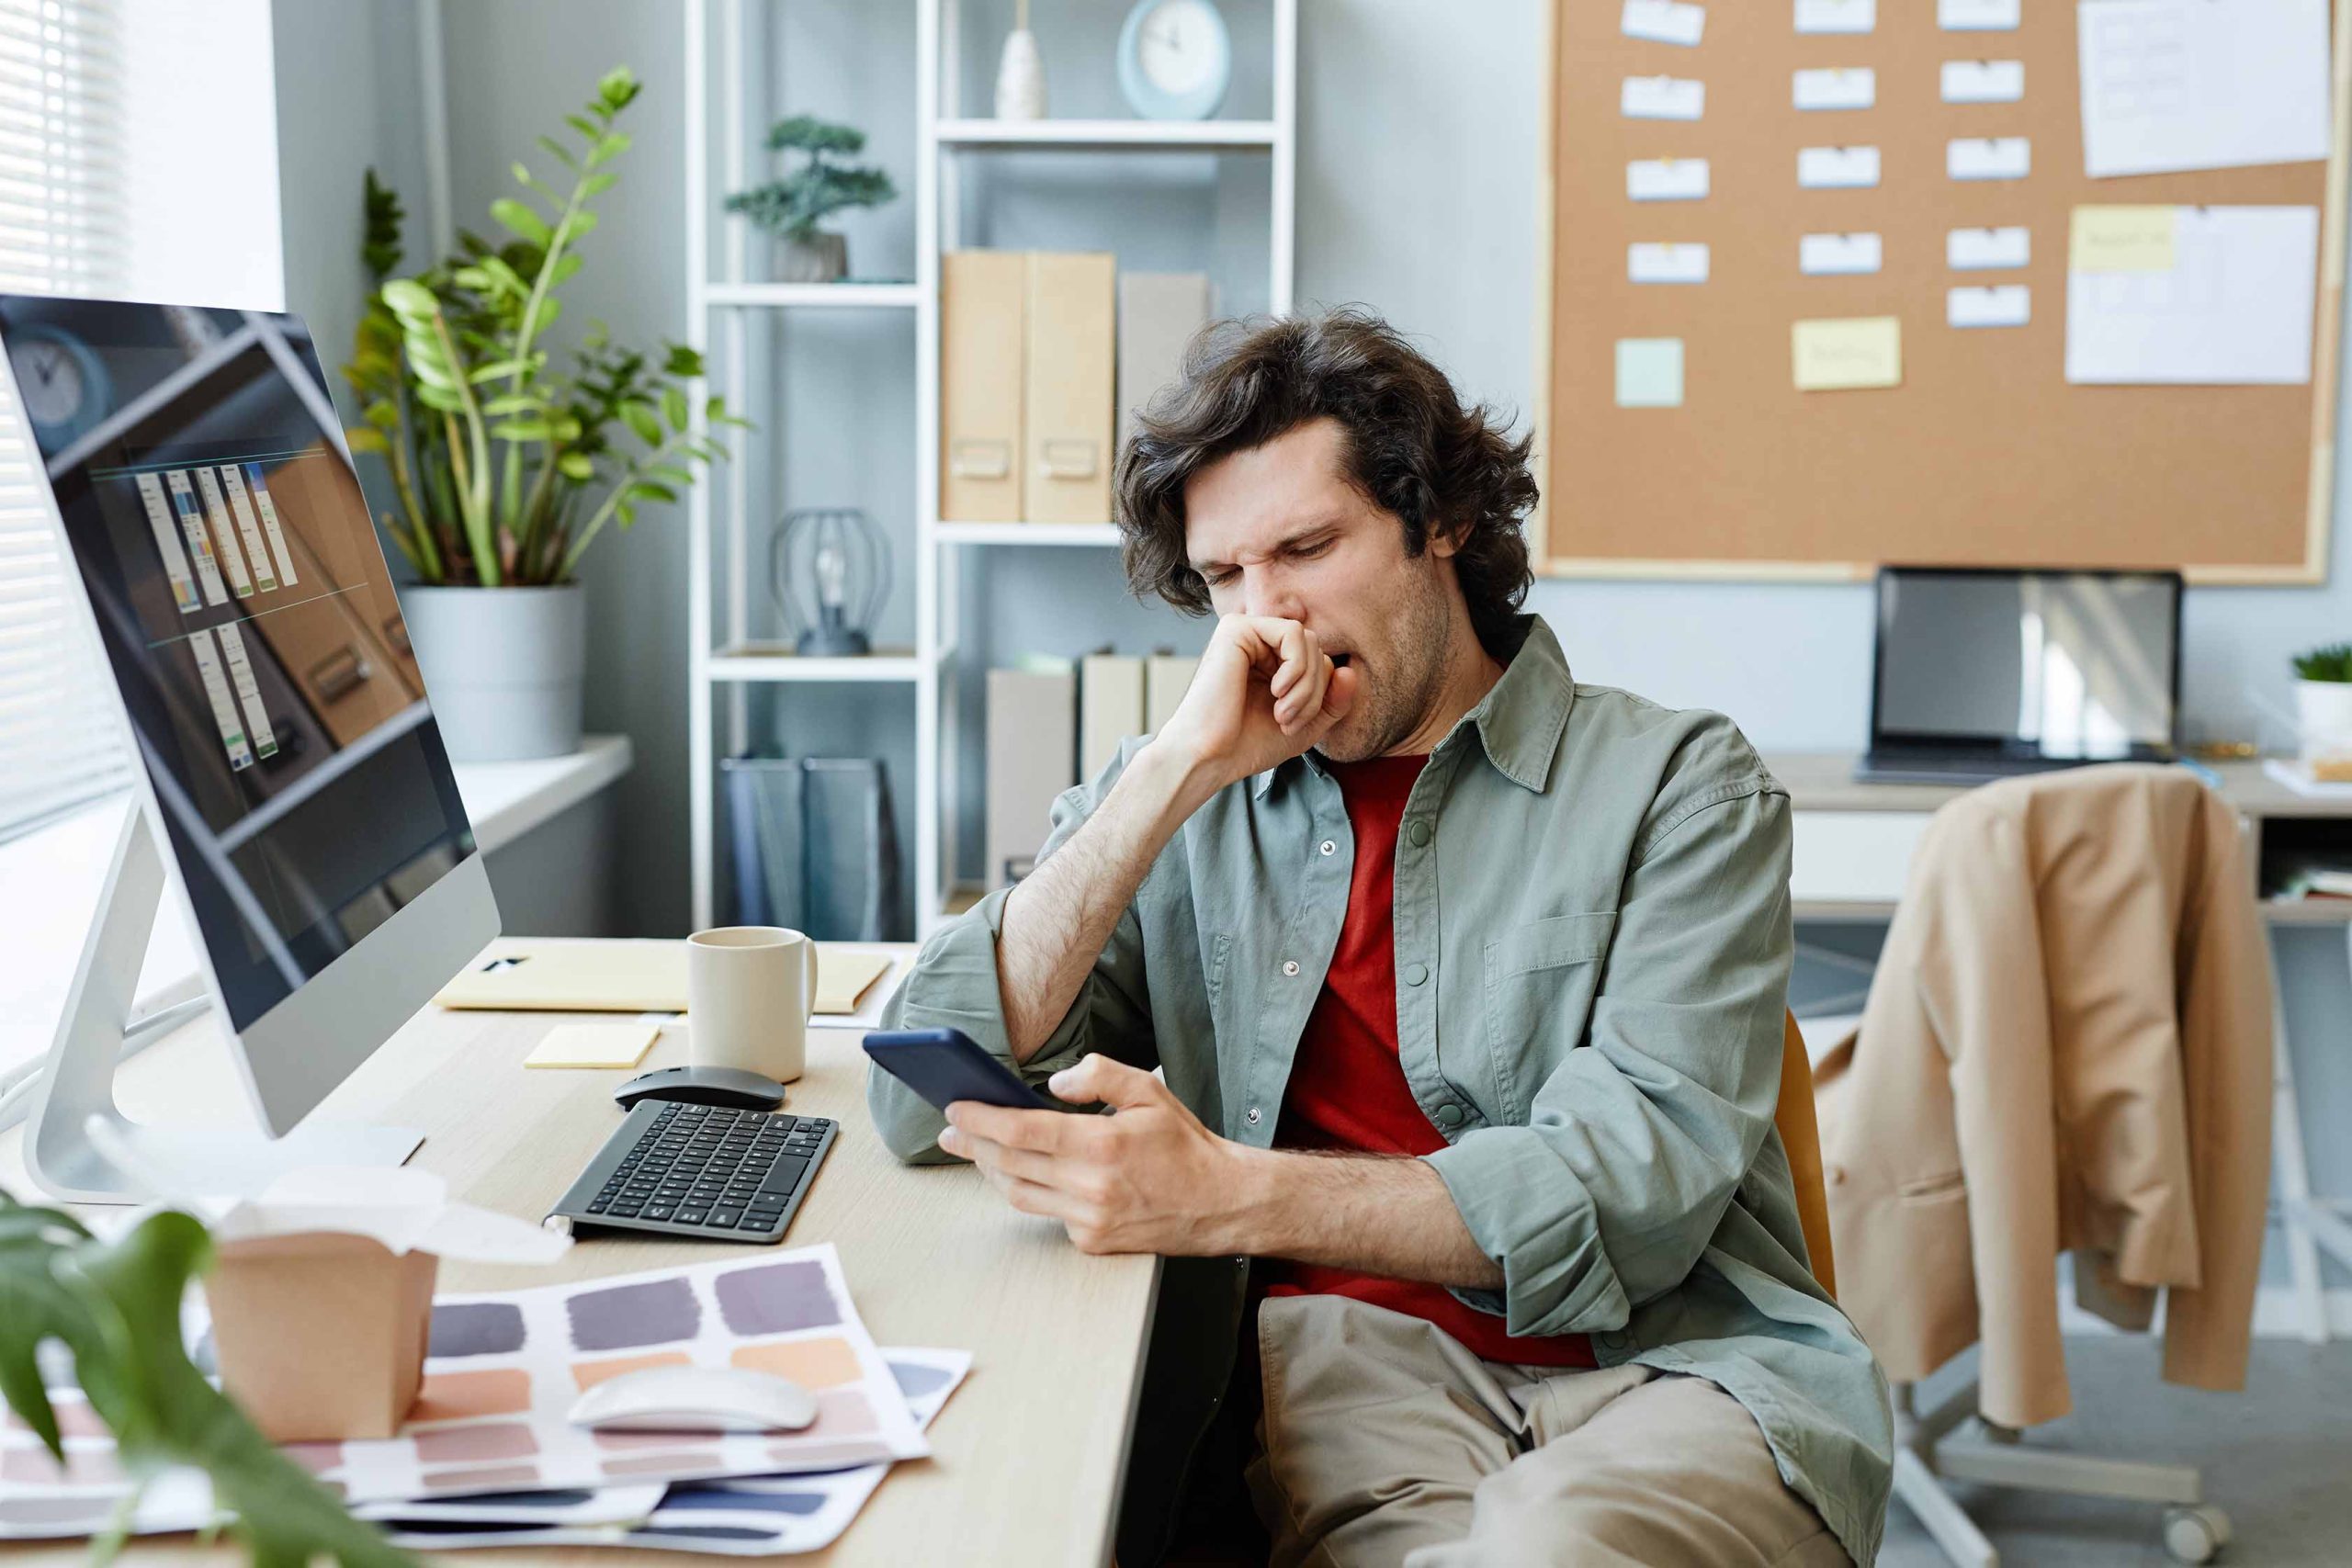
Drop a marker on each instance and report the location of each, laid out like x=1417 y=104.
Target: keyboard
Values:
x=700 y=1170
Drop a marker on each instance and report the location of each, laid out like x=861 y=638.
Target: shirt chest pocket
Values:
x=1539 y=985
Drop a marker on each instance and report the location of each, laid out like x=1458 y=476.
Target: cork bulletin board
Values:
x=1983 y=454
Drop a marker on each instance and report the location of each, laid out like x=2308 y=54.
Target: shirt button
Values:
x=1290 y=965
x=1329 y=847
x=1419 y=833
x=1253 y=1118
x=1449 y=1115
x=1415 y=973
x=1611 y=1341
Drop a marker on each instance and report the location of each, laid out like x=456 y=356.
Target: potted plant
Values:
x=505 y=464
x=115 y=1308
x=790 y=208
x=2323 y=701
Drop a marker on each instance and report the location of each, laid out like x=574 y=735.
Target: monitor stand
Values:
x=77 y=1083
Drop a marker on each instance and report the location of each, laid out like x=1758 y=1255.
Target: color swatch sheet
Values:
x=503 y=1370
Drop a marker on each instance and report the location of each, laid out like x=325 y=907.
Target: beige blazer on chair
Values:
x=2067 y=1045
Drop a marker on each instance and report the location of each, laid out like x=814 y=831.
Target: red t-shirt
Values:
x=1348 y=1089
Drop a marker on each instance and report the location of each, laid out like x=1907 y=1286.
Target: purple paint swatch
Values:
x=491 y=1439
x=914 y=1381
x=477 y=1328
x=777 y=1299
x=658 y=1312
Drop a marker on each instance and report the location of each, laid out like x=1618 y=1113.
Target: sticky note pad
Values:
x=2122 y=239
x=1649 y=372
x=595 y=1046
x=1849 y=353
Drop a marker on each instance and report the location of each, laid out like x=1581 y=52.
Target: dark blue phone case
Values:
x=944 y=1065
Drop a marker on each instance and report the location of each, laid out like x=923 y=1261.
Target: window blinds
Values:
x=61 y=231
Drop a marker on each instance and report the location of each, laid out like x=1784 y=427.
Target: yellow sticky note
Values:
x=2123 y=239
x=595 y=1046
x=1838 y=355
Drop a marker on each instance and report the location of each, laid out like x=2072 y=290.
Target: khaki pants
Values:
x=1385 y=1442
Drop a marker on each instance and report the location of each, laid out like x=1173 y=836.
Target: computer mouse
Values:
x=694 y=1399
x=736 y=1087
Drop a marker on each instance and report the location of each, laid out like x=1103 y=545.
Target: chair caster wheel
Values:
x=2195 y=1535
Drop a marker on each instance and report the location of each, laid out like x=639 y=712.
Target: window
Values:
x=61 y=742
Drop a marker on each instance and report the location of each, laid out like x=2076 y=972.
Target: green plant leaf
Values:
x=408 y=298
x=673 y=408
x=598 y=184
x=647 y=490
x=609 y=146
x=522 y=430
x=514 y=402
x=640 y=417
x=363 y=438
x=670 y=473
x=383 y=413
x=559 y=152
x=518 y=219
x=565 y=265
x=576 y=466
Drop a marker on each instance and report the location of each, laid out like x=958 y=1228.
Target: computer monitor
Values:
x=2032 y=666
x=293 y=778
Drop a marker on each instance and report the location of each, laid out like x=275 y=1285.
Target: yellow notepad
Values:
x=595 y=1046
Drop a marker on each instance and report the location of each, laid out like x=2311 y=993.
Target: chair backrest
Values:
x=1801 y=1136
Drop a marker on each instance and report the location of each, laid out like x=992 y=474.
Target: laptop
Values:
x=1987 y=674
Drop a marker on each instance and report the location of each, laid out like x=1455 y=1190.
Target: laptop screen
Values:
x=2063 y=664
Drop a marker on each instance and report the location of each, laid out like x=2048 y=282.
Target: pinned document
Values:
x=1853 y=354
x=1647 y=262
x=224 y=537
x=1662 y=98
x=1978 y=16
x=161 y=524
x=2222 y=295
x=1983 y=81
x=1827 y=255
x=2174 y=84
x=1836 y=168
x=1666 y=179
x=2002 y=305
x=218 y=696
x=1989 y=157
x=1664 y=21
x=1649 y=373
x=1854 y=87
x=1972 y=249
x=1837 y=16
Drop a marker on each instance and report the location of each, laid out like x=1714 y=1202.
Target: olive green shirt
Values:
x=1593 y=945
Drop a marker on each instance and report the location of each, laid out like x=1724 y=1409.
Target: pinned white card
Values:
x=1835 y=168
x=1854 y=88
x=1975 y=249
x=1989 y=157
x=1666 y=179
x=1978 y=16
x=1828 y=255
x=1653 y=263
x=1837 y=16
x=1665 y=21
x=2003 y=305
x=1983 y=81
x=1662 y=98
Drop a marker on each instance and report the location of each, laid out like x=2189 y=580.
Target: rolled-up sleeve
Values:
x=1641 y=1136
x=955 y=984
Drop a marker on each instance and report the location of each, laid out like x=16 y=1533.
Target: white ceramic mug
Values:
x=749 y=989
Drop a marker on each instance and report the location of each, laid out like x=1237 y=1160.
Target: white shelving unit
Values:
x=717 y=310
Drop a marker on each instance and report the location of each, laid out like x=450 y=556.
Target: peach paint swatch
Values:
x=449 y=1396
x=812 y=1364
x=588 y=1374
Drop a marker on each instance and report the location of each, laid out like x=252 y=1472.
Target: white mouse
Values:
x=694 y=1399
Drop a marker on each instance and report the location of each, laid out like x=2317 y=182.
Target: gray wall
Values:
x=1419 y=162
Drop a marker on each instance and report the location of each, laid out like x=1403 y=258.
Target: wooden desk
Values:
x=1027 y=1456
x=1854 y=840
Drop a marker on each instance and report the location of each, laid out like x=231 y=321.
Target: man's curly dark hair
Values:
x=1412 y=449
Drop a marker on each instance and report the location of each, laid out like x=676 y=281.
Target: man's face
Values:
x=1279 y=531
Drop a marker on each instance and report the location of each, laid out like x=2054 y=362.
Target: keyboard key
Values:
x=692 y=1216
x=659 y=1210
x=598 y=1205
x=725 y=1217
x=785 y=1176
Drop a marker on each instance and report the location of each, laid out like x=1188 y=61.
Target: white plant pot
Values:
x=824 y=259
x=1021 y=78
x=2323 y=718
x=503 y=667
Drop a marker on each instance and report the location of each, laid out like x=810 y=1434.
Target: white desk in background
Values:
x=1852 y=849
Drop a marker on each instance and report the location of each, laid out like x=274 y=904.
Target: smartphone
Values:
x=944 y=1065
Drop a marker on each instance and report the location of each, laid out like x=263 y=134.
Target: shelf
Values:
x=774 y=661
x=1027 y=532
x=1114 y=135
x=817 y=296
x=506 y=800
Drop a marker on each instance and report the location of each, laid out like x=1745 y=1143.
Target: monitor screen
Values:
x=2056 y=664
x=242 y=602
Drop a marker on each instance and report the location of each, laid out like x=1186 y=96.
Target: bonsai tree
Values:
x=791 y=206
x=506 y=465
x=114 y=1307
x=2331 y=664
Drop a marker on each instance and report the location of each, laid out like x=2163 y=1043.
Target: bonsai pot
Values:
x=503 y=667
x=823 y=259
